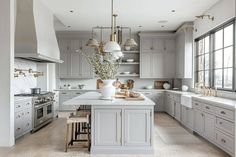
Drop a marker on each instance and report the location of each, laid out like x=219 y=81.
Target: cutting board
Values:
x=134 y=99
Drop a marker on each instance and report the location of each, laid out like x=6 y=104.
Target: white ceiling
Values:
x=131 y=13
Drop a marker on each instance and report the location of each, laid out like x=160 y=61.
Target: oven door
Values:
x=49 y=110
x=39 y=114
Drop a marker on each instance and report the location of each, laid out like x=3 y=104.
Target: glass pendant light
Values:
x=92 y=42
x=130 y=42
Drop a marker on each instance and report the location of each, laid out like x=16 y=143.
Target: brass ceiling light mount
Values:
x=209 y=17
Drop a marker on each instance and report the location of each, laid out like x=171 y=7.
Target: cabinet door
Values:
x=209 y=129
x=75 y=45
x=64 y=45
x=64 y=67
x=158 y=65
x=168 y=64
x=183 y=115
x=107 y=127
x=158 y=45
x=198 y=121
x=75 y=65
x=146 y=44
x=146 y=65
x=190 y=117
x=177 y=110
x=169 y=45
x=137 y=128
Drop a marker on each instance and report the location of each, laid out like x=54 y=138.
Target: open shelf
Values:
x=130 y=51
x=129 y=63
x=128 y=75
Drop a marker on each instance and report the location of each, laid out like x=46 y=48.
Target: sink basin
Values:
x=186 y=100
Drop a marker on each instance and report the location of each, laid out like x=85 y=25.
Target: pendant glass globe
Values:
x=112 y=46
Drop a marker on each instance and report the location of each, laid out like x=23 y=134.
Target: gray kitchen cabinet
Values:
x=177 y=110
x=187 y=117
x=158 y=65
x=169 y=104
x=74 y=65
x=108 y=127
x=56 y=103
x=184 y=51
x=65 y=95
x=23 y=116
x=156 y=97
x=137 y=127
x=63 y=68
x=157 y=55
x=146 y=68
x=198 y=121
x=169 y=45
x=209 y=126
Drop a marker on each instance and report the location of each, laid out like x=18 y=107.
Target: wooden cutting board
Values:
x=134 y=99
x=120 y=95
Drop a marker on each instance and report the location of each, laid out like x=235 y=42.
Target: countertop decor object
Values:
x=130 y=60
x=184 y=88
x=166 y=86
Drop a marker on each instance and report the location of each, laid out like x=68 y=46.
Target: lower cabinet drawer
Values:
x=225 y=113
x=225 y=125
x=225 y=141
x=209 y=108
x=197 y=105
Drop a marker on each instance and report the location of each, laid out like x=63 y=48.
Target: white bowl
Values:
x=184 y=88
x=148 y=87
x=130 y=60
x=126 y=72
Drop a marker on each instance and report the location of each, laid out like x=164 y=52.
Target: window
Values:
x=215 y=58
x=203 y=58
x=223 y=57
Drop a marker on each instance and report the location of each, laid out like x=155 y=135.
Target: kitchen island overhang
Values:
x=119 y=126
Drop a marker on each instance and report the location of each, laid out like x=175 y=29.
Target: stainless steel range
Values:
x=42 y=109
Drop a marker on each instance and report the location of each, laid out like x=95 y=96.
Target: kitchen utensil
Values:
x=35 y=90
x=130 y=84
x=130 y=60
x=134 y=95
x=184 y=88
x=166 y=86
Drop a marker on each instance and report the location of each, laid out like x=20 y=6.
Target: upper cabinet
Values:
x=157 y=55
x=184 y=51
x=75 y=65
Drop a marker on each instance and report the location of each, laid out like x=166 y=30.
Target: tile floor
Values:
x=171 y=140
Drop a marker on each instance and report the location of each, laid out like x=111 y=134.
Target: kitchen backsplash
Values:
x=91 y=83
x=23 y=84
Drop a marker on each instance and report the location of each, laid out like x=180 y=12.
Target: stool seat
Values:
x=77 y=119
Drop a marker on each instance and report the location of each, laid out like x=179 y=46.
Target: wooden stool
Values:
x=74 y=121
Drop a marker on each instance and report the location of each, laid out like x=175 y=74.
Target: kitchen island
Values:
x=118 y=126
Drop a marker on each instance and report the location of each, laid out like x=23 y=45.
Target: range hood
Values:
x=35 y=37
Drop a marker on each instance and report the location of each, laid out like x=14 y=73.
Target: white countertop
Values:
x=94 y=98
x=74 y=89
x=20 y=98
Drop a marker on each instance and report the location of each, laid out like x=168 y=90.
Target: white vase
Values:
x=108 y=90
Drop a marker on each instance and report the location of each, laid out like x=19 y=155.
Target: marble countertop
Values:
x=94 y=98
x=74 y=89
x=20 y=98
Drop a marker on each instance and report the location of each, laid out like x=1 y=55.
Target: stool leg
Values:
x=88 y=136
x=66 y=139
x=72 y=134
x=76 y=131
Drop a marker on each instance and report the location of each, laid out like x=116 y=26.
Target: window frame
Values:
x=212 y=51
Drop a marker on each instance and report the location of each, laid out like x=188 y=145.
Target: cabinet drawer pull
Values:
x=207 y=107
x=221 y=122
x=18 y=106
x=18 y=128
x=222 y=112
x=77 y=93
x=63 y=93
x=28 y=104
x=223 y=140
x=196 y=104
